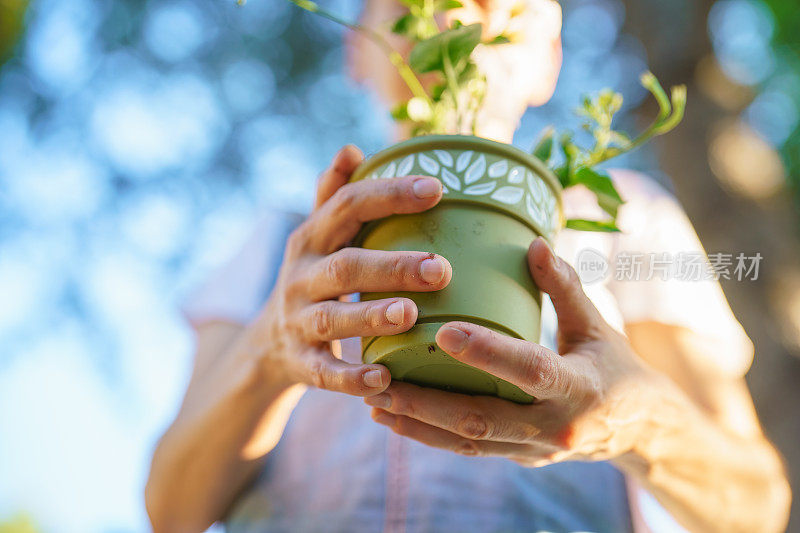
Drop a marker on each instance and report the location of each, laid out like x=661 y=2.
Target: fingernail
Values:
x=384 y=418
x=395 y=312
x=427 y=187
x=373 y=378
x=432 y=270
x=382 y=400
x=452 y=339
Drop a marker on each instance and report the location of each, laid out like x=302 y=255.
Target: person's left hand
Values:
x=593 y=402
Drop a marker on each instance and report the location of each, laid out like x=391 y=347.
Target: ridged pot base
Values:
x=414 y=357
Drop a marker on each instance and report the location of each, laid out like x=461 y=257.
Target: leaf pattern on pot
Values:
x=475 y=174
x=533 y=187
x=444 y=157
x=476 y=170
x=508 y=194
x=388 y=172
x=498 y=168
x=428 y=164
x=480 y=188
x=516 y=175
x=404 y=168
x=463 y=160
x=534 y=211
x=451 y=180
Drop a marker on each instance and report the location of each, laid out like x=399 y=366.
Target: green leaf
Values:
x=437 y=91
x=581 y=224
x=405 y=25
x=427 y=55
x=544 y=148
x=500 y=39
x=601 y=185
x=469 y=72
x=571 y=152
x=400 y=111
x=445 y=5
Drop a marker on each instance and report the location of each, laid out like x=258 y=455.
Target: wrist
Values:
x=264 y=369
x=662 y=411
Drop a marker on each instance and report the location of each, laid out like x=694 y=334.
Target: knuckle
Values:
x=592 y=393
x=401 y=404
x=397 y=268
x=474 y=425
x=316 y=373
x=345 y=198
x=540 y=371
x=467 y=447
x=400 y=189
x=338 y=268
x=295 y=286
x=372 y=316
x=296 y=242
x=322 y=321
x=563 y=438
x=403 y=426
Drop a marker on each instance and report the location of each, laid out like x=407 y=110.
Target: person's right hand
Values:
x=304 y=314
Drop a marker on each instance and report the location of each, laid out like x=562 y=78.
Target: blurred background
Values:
x=139 y=140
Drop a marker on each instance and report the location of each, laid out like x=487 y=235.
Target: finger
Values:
x=471 y=417
x=333 y=320
x=320 y=369
x=533 y=368
x=338 y=220
x=443 y=439
x=352 y=270
x=336 y=175
x=578 y=318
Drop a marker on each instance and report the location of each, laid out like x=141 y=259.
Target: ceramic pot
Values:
x=497 y=200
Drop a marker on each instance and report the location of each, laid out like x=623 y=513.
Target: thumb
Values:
x=577 y=315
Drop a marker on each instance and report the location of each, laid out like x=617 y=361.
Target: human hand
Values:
x=303 y=315
x=594 y=400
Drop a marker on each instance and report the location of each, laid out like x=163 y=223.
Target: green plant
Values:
x=451 y=103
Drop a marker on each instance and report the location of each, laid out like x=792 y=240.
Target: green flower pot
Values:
x=497 y=200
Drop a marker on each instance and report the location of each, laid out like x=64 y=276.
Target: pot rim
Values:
x=470 y=142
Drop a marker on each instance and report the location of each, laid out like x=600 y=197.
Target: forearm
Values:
x=232 y=416
x=708 y=478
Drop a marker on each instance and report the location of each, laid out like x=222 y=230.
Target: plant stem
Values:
x=452 y=82
x=394 y=56
x=663 y=123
